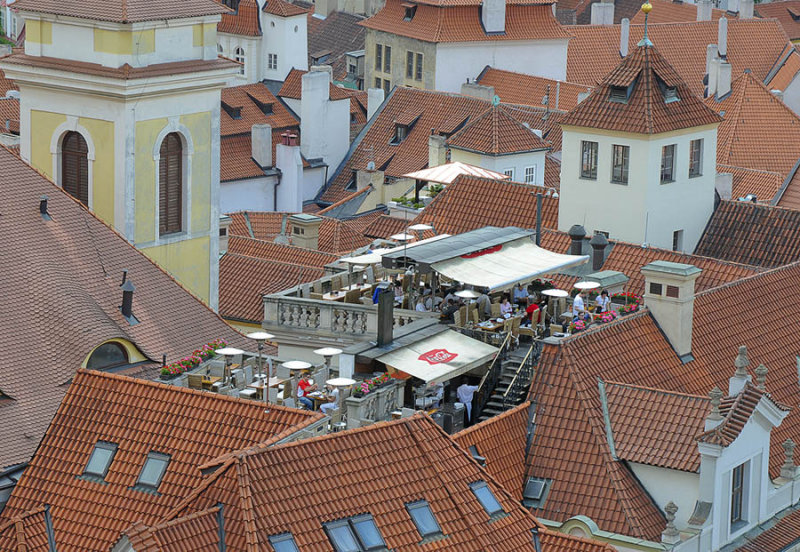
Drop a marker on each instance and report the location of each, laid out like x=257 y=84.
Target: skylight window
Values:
x=100 y=460
x=356 y=534
x=153 y=470
x=486 y=498
x=283 y=543
x=423 y=518
x=535 y=492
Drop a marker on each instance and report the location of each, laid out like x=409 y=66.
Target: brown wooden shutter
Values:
x=170 y=185
x=75 y=167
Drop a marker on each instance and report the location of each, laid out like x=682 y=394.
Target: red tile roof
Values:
x=198 y=532
x=9 y=115
x=416 y=460
x=338 y=33
x=521 y=89
x=753 y=234
x=645 y=74
x=63 y=318
x=780 y=536
x=786 y=12
x=787 y=71
x=25 y=533
x=461 y=22
x=765 y=185
x=6 y=84
x=385 y=226
x=735 y=412
x=125 y=11
x=496 y=132
x=293 y=85
x=244 y=21
x=282 y=8
x=502 y=441
x=667 y=11
x=140 y=417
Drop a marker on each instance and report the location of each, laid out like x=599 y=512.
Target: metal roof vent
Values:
x=127 y=302
x=43 y=208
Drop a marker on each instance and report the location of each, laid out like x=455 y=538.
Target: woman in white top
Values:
x=505 y=306
x=603 y=301
x=421 y=305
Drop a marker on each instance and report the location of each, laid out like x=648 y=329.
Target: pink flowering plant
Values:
x=577 y=326
x=608 y=316
x=630 y=302
x=193 y=360
x=367 y=386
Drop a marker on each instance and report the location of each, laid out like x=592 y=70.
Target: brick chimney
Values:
x=669 y=294
x=261 y=145
x=305 y=230
x=603 y=13
x=493 y=16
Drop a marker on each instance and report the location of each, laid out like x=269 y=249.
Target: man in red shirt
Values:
x=531 y=313
x=303 y=388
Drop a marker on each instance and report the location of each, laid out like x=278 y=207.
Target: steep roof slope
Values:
x=125 y=11
x=496 y=132
x=518 y=88
x=338 y=33
x=786 y=12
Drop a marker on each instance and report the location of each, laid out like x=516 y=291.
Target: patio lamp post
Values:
x=328 y=353
x=228 y=353
x=260 y=338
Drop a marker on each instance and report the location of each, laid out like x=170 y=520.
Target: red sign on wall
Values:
x=437 y=356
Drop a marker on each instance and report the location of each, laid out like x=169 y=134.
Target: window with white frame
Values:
x=509 y=173
x=696 y=158
x=238 y=55
x=739 y=494
x=530 y=175
x=272 y=61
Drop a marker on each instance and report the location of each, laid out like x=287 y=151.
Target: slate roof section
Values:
x=496 y=132
x=65 y=318
x=190 y=426
x=502 y=440
x=243 y=22
x=198 y=532
x=518 y=88
x=753 y=234
x=646 y=76
x=293 y=489
x=125 y=11
x=786 y=12
x=338 y=33
x=455 y=21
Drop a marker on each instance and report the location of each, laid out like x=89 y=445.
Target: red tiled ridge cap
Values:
x=124 y=11
x=282 y=8
x=17 y=519
x=655 y=389
x=740 y=281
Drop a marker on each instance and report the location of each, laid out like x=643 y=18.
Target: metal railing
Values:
x=523 y=376
x=490 y=379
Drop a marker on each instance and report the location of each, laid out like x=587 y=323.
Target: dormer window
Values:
x=265 y=107
x=618 y=94
x=794 y=13
x=232 y=4
x=410 y=11
x=400 y=134
x=233 y=112
x=670 y=93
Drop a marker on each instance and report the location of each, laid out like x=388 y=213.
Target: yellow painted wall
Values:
x=43 y=124
x=134 y=355
x=244 y=327
x=204 y=34
x=199 y=125
x=102 y=133
x=145 y=167
x=39 y=31
x=187 y=261
x=124 y=43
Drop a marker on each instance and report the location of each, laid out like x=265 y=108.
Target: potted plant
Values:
x=577 y=326
x=189 y=362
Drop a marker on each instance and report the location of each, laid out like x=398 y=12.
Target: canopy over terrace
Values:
x=376 y=255
x=490 y=257
x=447 y=173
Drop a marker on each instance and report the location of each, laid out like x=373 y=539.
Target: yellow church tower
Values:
x=119 y=105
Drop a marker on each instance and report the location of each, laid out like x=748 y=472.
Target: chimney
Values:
x=477 y=91
x=704 y=10
x=324 y=123
x=305 y=230
x=289 y=191
x=669 y=294
x=369 y=177
x=323 y=69
x=375 y=97
x=576 y=234
x=722 y=38
x=724 y=185
x=746 y=8
x=740 y=376
x=224 y=226
x=598 y=243
x=723 y=79
x=437 y=150
x=493 y=16
x=733 y=6
x=603 y=13
x=323 y=8
x=261 y=145
x=385 y=317
x=127 y=299
x=713 y=75
x=624 y=37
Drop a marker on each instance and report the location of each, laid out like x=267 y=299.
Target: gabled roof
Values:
x=647 y=85
x=754 y=234
x=282 y=8
x=198 y=532
x=338 y=33
x=518 y=88
x=25 y=533
x=124 y=11
x=765 y=185
x=502 y=441
x=416 y=460
x=61 y=295
x=496 y=132
x=190 y=426
x=293 y=86
x=781 y=536
x=244 y=21
x=458 y=21
x=786 y=12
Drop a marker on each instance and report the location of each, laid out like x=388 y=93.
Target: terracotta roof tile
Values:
x=125 y=11
x=786 y=12
x=198 y=532
x=282 y=8
x=501 y=440
x=789 y=198
x=140 y=417
x=496 y=132
x=552 y=172
x=765 y=185
x=236 y=156
x=735 y=412
x=253 y=104
x=85 y=305
x=667 y=11
x=385 y=226
x=375 y=470
x=753 y=234
x=25 y=533
x=244 y=21
x=461 y=22
x=271 y=251
x=787 y=72
x=645 y=74
x=521 y=89
x=781 y=536
x=6 y=84
x=338 y=33
x=594 y=52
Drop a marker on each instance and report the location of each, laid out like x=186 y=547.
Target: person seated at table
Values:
x=531 y=313
x=579 y=311
x=484 y=305
x=505 y=306
x=333 y=400
x=420 y=305
x=450 y=308
x=304 y=387
x=520 y=295
x=602 y=302
x=432 y=302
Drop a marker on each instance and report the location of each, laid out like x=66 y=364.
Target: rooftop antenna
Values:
x=647 y=7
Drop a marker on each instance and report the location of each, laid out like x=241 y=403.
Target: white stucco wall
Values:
x=791 y=96
x=500 y=163
x=457 y=61
x=666 y=485
x=644 y=210
x=288 y=38
x=324 y=123
x=253 y=194
x=252 y=56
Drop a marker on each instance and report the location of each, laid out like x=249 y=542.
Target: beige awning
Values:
x=502 y=266
x=440 y=357
x=445 y=174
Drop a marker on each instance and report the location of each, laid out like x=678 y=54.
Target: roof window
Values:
x=100 y=460
x=356 y=534
x=670 y=93
x=619 y=94
x=283 y=543
x=400 y=134
x=473 y=450
x=410 y=11
x=265 y=107
x=487 y=499
x=535 y=492
x=233 y=112
x=423 y=518
x=153 y=470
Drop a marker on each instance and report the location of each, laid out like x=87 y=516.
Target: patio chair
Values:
x=336 y=283
x=495 y=310
x=515 y=321
x=316 y=287
x=473 y=314
x=457 y=319
x=316 y=296
x=462 y=311
x=353 y=296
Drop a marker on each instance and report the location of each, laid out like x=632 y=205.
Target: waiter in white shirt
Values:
x=465 y=394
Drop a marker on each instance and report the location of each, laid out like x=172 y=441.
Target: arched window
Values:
x=220 y=51
x=170 y=185
x=108 y=355
x=238 y=55
x=75 y=166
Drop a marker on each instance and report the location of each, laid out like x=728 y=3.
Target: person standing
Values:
x=466 y=393
x=603 y=301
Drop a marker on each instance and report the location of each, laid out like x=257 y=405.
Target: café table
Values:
x=319 y=398
x=209 y=381
x=334 y=296
x=259 y=386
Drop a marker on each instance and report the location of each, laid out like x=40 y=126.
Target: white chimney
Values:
x=324 y=123
x=713 y=75
x=261 y=145
x=704 y=10
x=711 y=54
x=493 y=16
x=323 y=69
x=724 y=79
x=722 y=38
x=724 y=185
x=477 y=91
x=733 y=6
x=603 y=13
x=624 y=37
x=669 y=294
x=437 y=150
x=746 y=8
x=289 y=197
x=375 y=97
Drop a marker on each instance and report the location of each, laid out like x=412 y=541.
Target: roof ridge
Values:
x=762 y=273
x=748 y=169
x=26 y=514
x=279 y=246
x=480 y=425
x=204 y=484
x=656 y=390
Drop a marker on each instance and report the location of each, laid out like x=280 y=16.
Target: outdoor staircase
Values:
x=504 y=397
